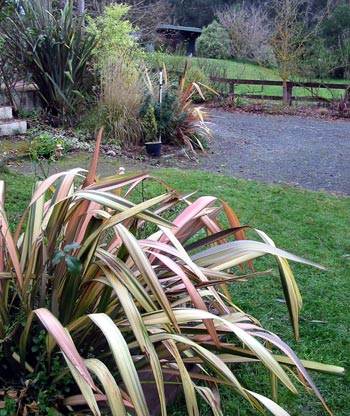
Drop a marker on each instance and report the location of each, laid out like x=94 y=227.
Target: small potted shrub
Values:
x=153 y=141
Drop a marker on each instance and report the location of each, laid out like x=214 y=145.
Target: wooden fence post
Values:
x=289 y=92
x=232 y=89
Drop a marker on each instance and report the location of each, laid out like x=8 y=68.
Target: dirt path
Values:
x=309 y=153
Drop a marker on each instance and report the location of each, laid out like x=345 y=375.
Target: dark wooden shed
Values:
x=181 y=36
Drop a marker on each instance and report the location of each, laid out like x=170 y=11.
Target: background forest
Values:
x=313 y=36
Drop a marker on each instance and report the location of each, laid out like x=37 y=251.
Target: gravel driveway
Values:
x=309 y=153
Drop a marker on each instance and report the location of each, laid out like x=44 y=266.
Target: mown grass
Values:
x=228 y=68
x=18 y=193
x=242 y=70
x=310 y=224
x=313 y=225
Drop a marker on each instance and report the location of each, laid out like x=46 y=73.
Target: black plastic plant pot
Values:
x=153 y=148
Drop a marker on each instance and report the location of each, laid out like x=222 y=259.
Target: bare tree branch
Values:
x=249 y=30
x=291 y=32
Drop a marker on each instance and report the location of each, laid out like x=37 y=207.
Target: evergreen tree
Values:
x=214 y=42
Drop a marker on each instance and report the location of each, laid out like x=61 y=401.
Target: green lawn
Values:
x=226 y=68
x=241 y=70
x=313 y=225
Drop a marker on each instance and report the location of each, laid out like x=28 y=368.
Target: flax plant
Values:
x=129 y=312
x=53 y=51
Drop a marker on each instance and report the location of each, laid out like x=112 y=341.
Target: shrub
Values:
x=44 y=149
x=167 y=115
x=44 y=146
x=214 y=42
x=53 y=50
x=179 y=122
x=145 y=274
x=114 y=34
x=150 y=127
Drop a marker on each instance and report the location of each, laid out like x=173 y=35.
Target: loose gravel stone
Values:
x=309 y=153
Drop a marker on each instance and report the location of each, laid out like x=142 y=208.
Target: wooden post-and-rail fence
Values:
x=27 y=97
x=287 y=96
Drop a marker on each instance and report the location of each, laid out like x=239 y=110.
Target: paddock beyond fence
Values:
x=287 y=90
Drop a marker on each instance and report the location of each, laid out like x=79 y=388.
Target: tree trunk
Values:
x=284 y=76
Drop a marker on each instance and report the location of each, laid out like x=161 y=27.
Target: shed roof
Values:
x=164 y=26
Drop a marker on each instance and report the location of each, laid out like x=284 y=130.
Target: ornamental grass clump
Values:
x=117 y=61
x=107 y=297
x=119 y=101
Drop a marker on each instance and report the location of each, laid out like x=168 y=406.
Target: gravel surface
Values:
x=304 y=152
x=309 y=153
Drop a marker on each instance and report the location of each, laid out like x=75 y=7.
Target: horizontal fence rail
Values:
x=27 y=97
x=287 y=89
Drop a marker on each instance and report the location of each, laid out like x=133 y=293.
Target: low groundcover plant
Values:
x=134 y=295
